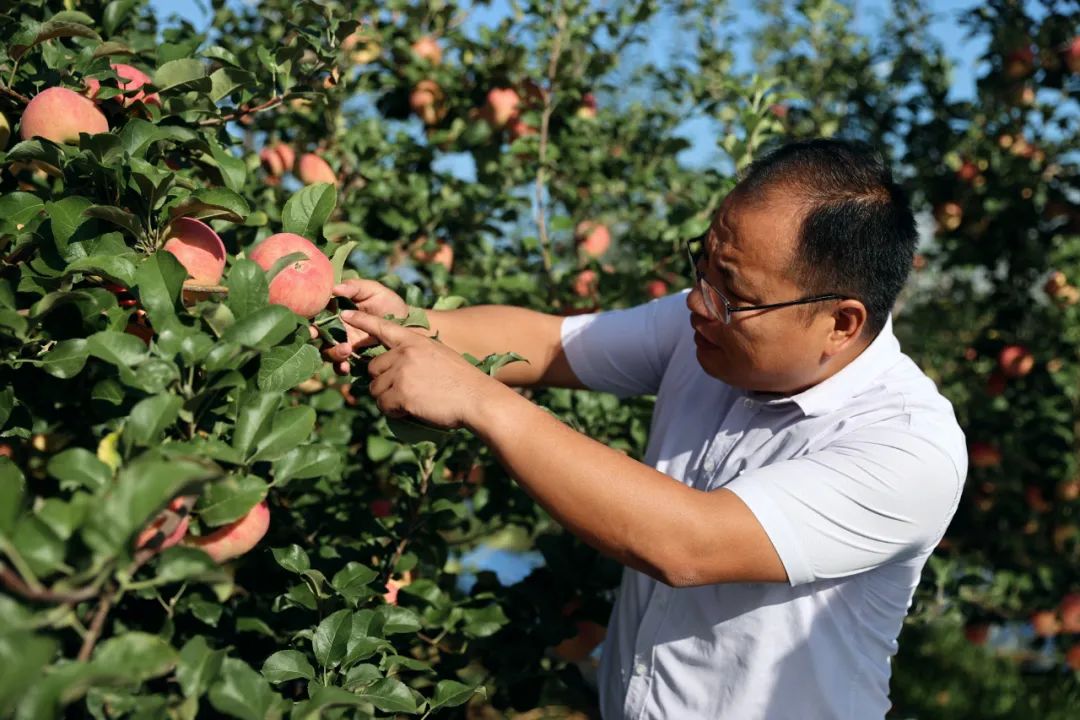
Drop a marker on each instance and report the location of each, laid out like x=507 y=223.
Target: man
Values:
x=800 y=468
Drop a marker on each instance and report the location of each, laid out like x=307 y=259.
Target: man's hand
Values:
x=371 y=297
x=421 y=377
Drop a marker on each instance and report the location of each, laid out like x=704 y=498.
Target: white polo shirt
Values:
x=854 y=480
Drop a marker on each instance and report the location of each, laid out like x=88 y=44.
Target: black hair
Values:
x=857 y=233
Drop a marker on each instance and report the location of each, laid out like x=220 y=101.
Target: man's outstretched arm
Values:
x=624 y=508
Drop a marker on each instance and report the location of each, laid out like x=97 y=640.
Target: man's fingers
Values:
x=339 y=352
x=357 y=289
x=388 y=333
x=313 y=332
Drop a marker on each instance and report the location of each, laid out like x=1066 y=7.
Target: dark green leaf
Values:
x=199 y=665
x=136 y=655
x=292 y=558
x=242 y=693
x=231 y=499
x=78 y=467
x=292 y=426
x=287 y=665
x=307 y=210
x=159 y=279
x=283 y=368
x=263 y=328
x=450 y=693
x=398 y=619
x=354 y=582
x=12 y=487
x=308 y=461
x=177 y=73
x=331 y=638
x=66 y=359
x=149 y=418
x=248 y=288
x=389 y=695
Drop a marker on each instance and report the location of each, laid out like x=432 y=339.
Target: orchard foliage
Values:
x=199 y=519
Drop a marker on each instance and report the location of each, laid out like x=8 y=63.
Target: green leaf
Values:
x=263 y=328
x=307 y=210
x=177 y=73
x=116 y=348
x=292 y=426
x=287 y=665
x=484 y=621
x=341 y=257
x=242 y=693
x=117 y=268
x=159 y=279
x=180 y=563
x=331 y=638
x=121 y=218
x=292 y=558
x=225 y=80
x=199 y=665
x=206 y=203
x=283 y=368
x=398 y=619
x=389 y=695
x=411 y=431
x=353 y=582
x=233 y=171
x=23 y=655
x=231 y=499
x=450 y=302
x=41 y=548
x=47 y=31
x=308 y=461
x=283 y=262
x=12 y=488
x=450 y=693
x=66 y=359
x=248 y=288
x=136 y=655
x=361 y=675
x=253 y=418
x=19 y=208
x=65 y=216
x=78 y=467
x=149 y=418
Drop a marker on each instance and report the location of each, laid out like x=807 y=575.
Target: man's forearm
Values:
x=487 y=329
x=621 y=507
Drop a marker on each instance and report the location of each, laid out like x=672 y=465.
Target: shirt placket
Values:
x=739 y=416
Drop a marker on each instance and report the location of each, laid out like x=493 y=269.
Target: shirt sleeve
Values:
x=625 y=352
x=875 y=497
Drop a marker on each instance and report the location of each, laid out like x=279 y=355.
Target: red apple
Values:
x=198 y=248
x=1015 y=361
x=656 y=288
x=304 y=286
x=428 y=101
x=1069 y=610
x=977 y=633
x=502 y=106
x=996 y=383
x=984 y=455
x=1072 y=657
x=1019 y=63
x=779 y=110
x=1033 y=494
x=362 y=47
x=427 y=48
x=313 y=169
x=59 y=114
x=1045 y=623
x=236 y=538
x=593 y=238
x=1072 y=55
x=443 y=254
x=381 y=507
x=131 y=79
x=278 y=158
x=585 y=284
x=949 y=215
x=587 y=109
x=968 y=171
x=393 y=586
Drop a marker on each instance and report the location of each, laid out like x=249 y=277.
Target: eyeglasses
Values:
x=724 y=311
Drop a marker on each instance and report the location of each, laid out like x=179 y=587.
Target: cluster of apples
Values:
x=280 y=158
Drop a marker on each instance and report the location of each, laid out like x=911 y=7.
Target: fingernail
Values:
x=348 y=314
x=341 y=287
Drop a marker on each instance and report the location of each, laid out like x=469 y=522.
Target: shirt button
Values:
x=747 y=402
x=640 y=669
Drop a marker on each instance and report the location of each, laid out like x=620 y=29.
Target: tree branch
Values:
x=545 y=123
x=13 y=582
x=5 y=90
x=96 y=626
x=243 y=111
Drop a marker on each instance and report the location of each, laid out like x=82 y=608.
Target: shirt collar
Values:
x=826 y=396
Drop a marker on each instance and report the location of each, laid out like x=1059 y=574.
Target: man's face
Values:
x=747 y=253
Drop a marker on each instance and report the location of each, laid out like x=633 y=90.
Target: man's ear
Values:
x=848 y=321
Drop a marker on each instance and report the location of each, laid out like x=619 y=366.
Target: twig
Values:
x=416 y=522
x=545 y=122
x=13 y=582
x=96 y=626
x=5 y=90
x=242 y=112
